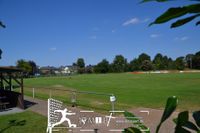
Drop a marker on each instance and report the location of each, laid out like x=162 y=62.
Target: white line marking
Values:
x=117 y=111
x=145 y=111
x=87 y=111
x=109 y=119
x=87 y=130
x=67 y=127
x=116 y=130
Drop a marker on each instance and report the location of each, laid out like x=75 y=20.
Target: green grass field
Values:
x=131 y=90
x=26 y=122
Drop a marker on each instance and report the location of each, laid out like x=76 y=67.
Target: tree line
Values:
x=120 y=64
x=142 y=63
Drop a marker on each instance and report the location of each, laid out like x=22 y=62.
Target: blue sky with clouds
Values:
x=57 y=32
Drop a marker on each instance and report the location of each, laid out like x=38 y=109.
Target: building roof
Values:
x=7 y=69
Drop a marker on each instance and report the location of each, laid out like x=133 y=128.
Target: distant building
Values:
x=67 y=70
x=48 y=70
x=62 y=70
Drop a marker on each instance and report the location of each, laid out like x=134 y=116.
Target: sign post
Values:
x=112 y=100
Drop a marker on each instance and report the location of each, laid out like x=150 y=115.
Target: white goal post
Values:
x=53 y=116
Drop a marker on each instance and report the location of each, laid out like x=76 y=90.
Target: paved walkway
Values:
x=11 y=111
x=151 y=120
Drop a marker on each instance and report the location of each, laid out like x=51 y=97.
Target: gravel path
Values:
x=150 y=119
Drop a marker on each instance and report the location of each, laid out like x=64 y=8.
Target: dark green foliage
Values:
x=137 y=124
x=188 y=59
x=119 y=64
x=143 y=62
x=171 y=105
x=181 y=22
x=183 y=123
x=81 y=70
x=89 y=69
x=80 y=63
x=102 y=67
x=23 y=64
x=29 y=67
x=131 y=130
x=134 y=65
x=34 y=68
x=146 y=65
x=180 y=64
x=196 y=61
x=177 y=12
x=142 y=57
x=2 y=25
x=196 y=116
x=171 y=64
x=1 y=53
x=160 y=62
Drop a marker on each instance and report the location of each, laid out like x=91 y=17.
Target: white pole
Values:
x=33 y=92
x=113 y=106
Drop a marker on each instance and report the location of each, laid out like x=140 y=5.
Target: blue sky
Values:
x=57 y=32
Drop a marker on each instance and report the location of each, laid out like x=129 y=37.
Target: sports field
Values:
x=131 y=90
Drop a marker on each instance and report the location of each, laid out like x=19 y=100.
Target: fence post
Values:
x=33 y=92
x=73 y=99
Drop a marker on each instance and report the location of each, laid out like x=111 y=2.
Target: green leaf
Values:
x=169 y=109
x=182 y=121
x=129 y=115
x=170 y=14
x=173 y=13
x=131 y=130
x=175 y=120
x=182 y=118
x=195 y=8
x=181 y=130
x=136 y=121
x=190 y=125
x=196 y=116
x=2 y=25
x=155 y=0
x=198 y=23
x=184 y=21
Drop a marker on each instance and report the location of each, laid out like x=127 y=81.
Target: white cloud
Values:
x=95 y=29
x=131 y=21
x=184 y=38
x=93 y=37
x=146 y=20
x=154 y=35
x=113 y=31
x=53 y=49
x=135 y=21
